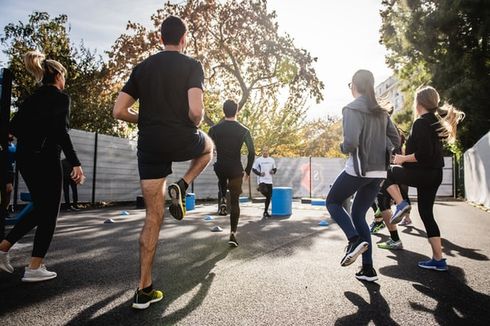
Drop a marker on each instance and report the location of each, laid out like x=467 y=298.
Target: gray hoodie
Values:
x=369 y=137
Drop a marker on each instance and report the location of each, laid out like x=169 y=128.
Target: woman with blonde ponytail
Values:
x=421 y=166
x=41 y=129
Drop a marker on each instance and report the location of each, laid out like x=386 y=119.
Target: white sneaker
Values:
x=5 y=262
x=38 y=275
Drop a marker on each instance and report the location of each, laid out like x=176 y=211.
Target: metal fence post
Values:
x=94 y=176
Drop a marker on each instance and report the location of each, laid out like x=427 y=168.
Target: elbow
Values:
x=347 y=148
x=115 y=114
x=196 y=116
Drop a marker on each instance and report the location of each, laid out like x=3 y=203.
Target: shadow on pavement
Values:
x=97 y=266
x=448 y=247
x=457 y=303
x=376 y=310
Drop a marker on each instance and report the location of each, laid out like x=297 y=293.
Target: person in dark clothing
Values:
x=421 y=166
x=41 y=129
x=6 y=192
x=229 y=136
x=169 y=87
x=67 y=184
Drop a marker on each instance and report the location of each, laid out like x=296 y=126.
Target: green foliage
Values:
x=446 y=44
x=92 y=99
x=322 y=138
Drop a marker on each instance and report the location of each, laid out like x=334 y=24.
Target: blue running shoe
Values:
x=438 y=265
x=401 y=210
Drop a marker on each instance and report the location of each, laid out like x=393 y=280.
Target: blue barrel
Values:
x=282 y=201
x=190 y=201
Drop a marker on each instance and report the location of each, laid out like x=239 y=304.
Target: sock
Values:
x=148 y=289
x=394 y=235
x=182 y=184
x=354 y=238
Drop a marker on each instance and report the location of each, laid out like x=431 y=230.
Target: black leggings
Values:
x=266 y=190
x=42 y=176
x=67 y=184
x=234 y=185
x=427 y=181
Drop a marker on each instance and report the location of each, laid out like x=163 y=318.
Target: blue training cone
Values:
x=125 y=213
x=323 y=223
x=109 y=220
x=216 y=229
x=209 y=218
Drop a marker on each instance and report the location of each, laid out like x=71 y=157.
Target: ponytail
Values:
x=33 y=61
x=364 y=82
x=448 y=115
x=43 y=70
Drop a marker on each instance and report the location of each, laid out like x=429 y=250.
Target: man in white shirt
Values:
x=265 y=167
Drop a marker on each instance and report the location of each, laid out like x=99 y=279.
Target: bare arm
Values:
x=196 y=105
x=122 y=108
x=400 y=159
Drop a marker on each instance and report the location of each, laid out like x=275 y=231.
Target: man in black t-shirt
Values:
x=169 y=87
x=229 y=136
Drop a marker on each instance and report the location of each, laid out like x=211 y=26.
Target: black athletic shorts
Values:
x=159 y=165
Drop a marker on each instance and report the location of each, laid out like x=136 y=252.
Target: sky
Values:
x=342 y=34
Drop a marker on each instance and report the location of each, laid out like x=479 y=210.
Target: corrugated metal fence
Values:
x=117 y=178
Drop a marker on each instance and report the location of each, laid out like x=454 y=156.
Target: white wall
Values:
x=477 y=172
x=118 y=180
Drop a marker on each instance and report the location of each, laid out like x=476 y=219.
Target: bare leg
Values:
x=153 y=194
x=395 y=193
x=199 y=164
x=35 y=262
x=435 y=243
x=386 y=218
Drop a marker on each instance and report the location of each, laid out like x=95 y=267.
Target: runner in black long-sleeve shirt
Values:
x=41 y=129
x=229 y=136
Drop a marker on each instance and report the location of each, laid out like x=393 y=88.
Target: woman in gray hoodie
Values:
x=369 y=137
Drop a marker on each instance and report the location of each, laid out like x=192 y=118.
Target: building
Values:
x=389 y=90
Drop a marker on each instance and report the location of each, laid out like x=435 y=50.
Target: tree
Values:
x=242 y=52
x=322 y=138
x=446 y=44
x=91 y=94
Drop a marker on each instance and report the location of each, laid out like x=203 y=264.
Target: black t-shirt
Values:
x=228 y=137
x=425 y=143
x=160 y=83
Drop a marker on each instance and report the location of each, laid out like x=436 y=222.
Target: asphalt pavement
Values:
x=286 y=271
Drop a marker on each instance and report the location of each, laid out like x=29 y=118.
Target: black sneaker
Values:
x=353 y=250
x=177 y=207
x=367 y=274
x=142 y=300
x=232 y=242
x=266 y=215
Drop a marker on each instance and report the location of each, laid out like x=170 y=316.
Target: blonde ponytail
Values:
x=33 y=61
x=43 y=70
x=449 y=118
x=448 y=115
